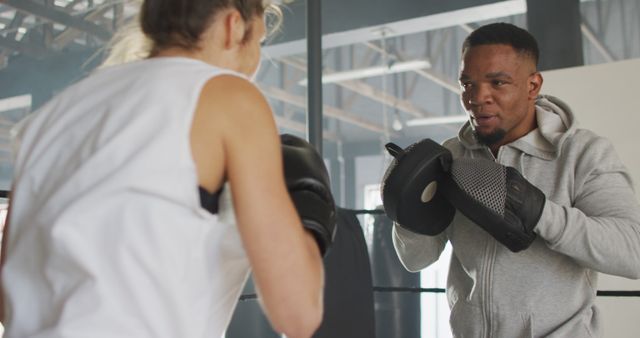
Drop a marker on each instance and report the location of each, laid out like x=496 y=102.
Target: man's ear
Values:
x=234 y=28
x=535 y=84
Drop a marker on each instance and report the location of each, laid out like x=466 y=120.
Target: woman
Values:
x=107 y=234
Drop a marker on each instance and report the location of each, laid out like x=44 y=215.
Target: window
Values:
x=434 y=308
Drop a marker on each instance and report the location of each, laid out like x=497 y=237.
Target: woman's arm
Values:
x=285 y=259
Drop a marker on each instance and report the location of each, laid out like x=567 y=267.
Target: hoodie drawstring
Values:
x=521 y=164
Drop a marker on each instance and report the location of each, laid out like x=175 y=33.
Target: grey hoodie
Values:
x=590 y=223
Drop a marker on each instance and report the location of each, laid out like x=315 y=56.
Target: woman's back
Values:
x=107 y=193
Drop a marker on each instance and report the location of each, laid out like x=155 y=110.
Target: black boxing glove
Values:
x=410 y=189
x=497 y=198
x=308 y=183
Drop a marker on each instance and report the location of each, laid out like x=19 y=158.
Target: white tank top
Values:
x=107 y=237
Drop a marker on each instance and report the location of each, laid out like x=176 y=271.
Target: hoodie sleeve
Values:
x=601 y=230
x=417 y=251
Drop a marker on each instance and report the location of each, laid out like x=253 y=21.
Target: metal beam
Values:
x=301 y=128
x=12 y=29
x=299 y=101
x=29 y=49
x=427 y=74
x=47 y=27
x=385 y=98
x=370 y=92
x=467 y=28
x=15 y=102
x=597 y=44
x=449 y=14
x=440 y=80
x=58 y=16
x=366 y=60
x=314 y=69
x=72 y=4
x=70 y=33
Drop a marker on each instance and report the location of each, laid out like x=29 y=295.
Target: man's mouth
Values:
x=483 y=120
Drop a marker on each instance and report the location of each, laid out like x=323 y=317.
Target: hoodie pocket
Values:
x=579 y=326
x=466 y=320
x=528 y=325
x=514 y=324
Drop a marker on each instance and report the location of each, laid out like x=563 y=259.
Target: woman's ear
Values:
x=234 y=28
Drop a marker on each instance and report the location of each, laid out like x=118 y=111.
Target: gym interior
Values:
x=351 y=76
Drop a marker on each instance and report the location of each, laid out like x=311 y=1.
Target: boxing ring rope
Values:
x=383 y=289
x=400 y=289
x=600 y=293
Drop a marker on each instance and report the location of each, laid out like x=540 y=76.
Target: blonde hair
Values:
x=130 y=43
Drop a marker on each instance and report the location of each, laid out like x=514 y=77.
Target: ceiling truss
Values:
x=37 y=28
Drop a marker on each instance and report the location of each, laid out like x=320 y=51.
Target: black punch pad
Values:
x=410 y=193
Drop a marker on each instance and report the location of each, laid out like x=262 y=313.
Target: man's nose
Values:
x=479 y=95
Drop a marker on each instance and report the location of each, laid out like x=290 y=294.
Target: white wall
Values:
x=605 y=98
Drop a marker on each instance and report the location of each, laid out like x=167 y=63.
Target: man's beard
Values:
x=491 y=138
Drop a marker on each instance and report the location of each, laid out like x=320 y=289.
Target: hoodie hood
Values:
x=556 y=122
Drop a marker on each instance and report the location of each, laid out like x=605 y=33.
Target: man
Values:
x=590 y=222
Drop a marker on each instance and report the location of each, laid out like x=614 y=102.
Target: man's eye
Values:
x=466 y=85
x=498 y=82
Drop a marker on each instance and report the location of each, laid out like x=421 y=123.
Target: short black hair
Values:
x=503 y=33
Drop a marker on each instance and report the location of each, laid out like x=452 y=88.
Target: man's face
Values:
x=499 y=88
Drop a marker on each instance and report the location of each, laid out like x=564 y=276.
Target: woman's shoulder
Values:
x=233 y=92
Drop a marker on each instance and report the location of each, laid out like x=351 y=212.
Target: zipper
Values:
x=490 y=254
x=486 y=288
x=488 y=151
